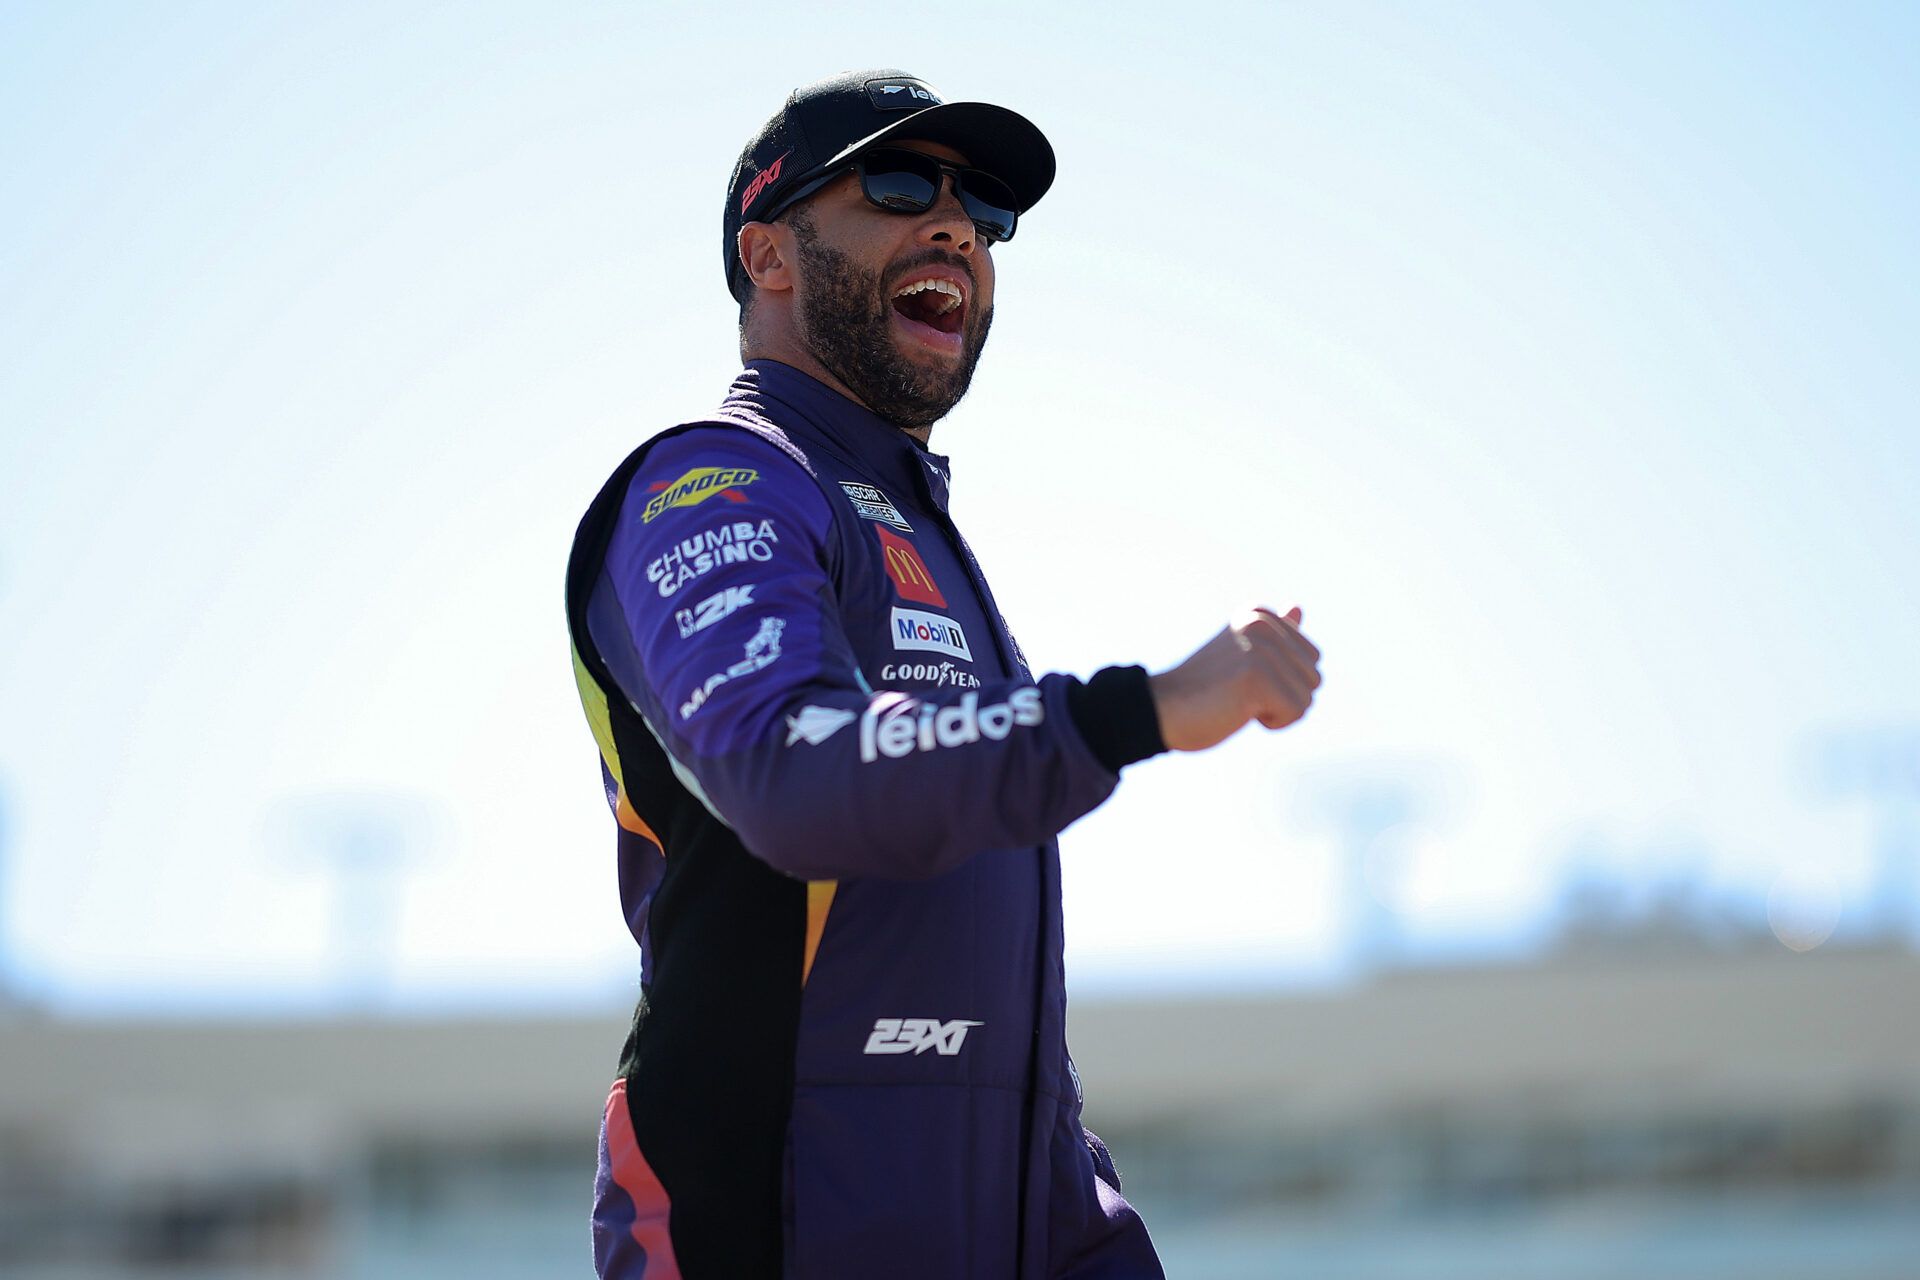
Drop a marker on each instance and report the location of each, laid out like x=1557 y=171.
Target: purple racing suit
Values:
x=837 y=788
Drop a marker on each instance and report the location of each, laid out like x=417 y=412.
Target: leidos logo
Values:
x=817 y=724
x=917 y=1035
x=762 y=180
x=905 y=726
x=900 y=95
x=696 y=486
x=908 y=571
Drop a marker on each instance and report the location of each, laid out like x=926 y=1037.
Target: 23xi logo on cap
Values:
x=761 y=181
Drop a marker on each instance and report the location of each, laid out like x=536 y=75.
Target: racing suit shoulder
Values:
x=720 y=617
x=697 y=478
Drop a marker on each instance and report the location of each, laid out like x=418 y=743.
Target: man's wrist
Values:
x=1115 y=713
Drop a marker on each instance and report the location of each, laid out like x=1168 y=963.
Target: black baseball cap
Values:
x=828 y=123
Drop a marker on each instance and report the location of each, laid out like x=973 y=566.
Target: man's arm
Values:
x=723 y=628
x=1259 y=668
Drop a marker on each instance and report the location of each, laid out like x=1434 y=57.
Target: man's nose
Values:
x=947 y=223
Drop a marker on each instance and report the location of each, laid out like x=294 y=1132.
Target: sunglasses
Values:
x=901 y=181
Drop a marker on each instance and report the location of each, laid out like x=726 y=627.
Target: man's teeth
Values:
x=946 y=287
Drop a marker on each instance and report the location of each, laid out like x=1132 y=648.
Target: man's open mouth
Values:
x=937 y=303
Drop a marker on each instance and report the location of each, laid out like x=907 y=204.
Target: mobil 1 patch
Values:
x=874 y=505
x=917 y=629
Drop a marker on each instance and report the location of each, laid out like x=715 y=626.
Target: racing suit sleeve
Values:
x=719 y=617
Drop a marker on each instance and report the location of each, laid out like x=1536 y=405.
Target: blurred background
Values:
x=1558 y=360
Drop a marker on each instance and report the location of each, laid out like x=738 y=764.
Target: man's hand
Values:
x=1260 y=668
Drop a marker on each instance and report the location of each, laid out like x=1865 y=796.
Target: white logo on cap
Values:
x=911 y=90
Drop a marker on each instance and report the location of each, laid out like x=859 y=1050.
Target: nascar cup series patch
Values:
x=875 y=505
x=696 y=486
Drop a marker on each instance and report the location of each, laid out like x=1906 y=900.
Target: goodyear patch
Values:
x=696 y=486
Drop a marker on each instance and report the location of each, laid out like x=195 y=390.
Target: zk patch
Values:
x=696 y=486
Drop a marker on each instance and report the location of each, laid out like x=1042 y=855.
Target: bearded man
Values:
x=837 y=783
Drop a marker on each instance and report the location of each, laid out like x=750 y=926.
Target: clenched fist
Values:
x=1260 y=668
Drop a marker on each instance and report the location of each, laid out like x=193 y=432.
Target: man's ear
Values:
x=765 y=250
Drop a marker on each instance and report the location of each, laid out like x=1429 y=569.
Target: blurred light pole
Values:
x=6 y=959
x=1373 y=810
x=1881 y=765
x=365 y=839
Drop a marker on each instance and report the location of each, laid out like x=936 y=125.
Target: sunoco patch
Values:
x=696 y=486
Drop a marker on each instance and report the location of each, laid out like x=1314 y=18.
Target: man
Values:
x=836 y=782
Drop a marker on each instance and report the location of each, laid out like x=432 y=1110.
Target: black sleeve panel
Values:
x=1114 y=712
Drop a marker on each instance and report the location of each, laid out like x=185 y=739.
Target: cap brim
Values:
x=1002 y=142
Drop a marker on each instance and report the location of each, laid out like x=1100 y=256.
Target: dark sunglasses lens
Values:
x=989 y=202
x=909 y=182
x=900 y=180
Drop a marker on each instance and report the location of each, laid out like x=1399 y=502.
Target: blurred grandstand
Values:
x=1629 y=1105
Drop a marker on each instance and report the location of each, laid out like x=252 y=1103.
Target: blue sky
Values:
x=1559 y=361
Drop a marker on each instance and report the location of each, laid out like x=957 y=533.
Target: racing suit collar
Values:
x=895 y=457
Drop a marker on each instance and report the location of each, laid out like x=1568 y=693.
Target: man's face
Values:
x=862 y=309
